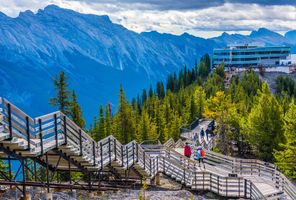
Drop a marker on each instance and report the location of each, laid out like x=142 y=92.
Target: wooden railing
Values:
x=53 y=130
x=186 y=171
x=252 y=167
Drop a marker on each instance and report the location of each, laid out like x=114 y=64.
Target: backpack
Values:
x=198 y=155
x=202 y=153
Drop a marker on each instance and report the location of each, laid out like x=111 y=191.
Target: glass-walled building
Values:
x=251 y=56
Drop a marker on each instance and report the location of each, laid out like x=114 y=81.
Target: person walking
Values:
x=202 y=133
x=187 y=150
x=200 y=155
x=207 y=134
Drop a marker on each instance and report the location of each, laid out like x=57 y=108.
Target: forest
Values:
x=261 y=123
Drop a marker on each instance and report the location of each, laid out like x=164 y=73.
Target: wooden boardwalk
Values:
x=58 y=144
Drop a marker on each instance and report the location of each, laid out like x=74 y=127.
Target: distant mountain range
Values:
x=97 y=55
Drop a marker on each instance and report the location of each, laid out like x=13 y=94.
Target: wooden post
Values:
x=251 y=189
x=226 y=185
x=210 y=181
x=40 y=135
x=163 y=163
x=203 y=180
x=184 y=176
x=245 y=188
x=24 y=178
x=239 y=187
x=109 y=143
x=218 y=185
x=80 y=142
x=157 y=163
x=150 y=167
x=115 y=147
x=133 y=145
x=28 y=133
x=137 y=151
x=9 y=120
x=121 y=156
x=144 y=160
x=94 y=153
x=47 y=172
x=126 y=150
x=195 y=180
x=101 y=152
x=69 y=169
x=65 y=129
x=56 y=130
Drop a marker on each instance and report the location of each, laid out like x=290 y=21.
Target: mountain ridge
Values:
x=96 y=54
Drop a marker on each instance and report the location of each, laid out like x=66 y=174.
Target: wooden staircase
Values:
x=61 y=145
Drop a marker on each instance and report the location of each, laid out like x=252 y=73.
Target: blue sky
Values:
x=206 y=18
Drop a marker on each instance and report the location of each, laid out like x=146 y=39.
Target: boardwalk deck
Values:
x=57 y=143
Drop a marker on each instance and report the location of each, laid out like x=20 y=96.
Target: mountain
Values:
x=291 y=36
x=262 y=36
x=96 y=54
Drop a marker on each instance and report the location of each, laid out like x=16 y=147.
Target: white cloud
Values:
x=206 y=22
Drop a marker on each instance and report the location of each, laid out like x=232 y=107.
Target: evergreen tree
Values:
x=144 y=96
x=101 y=126
x=193 y=108
x=220 y=70
x=206 y=59
x=213 y=84
x=251 y=83
x=151 y=94
x=200 y=98
x=62 y=100
x=264 y=125
x=160 y=90
x=202 y=70
x=224 y=112
x=124 y=122
x=286 y=155
x=75 y=111
x=108 y=122
x=285 y=85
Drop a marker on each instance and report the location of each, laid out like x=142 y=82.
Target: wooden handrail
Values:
x=52 y=127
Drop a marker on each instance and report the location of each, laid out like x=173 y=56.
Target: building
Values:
x=252 y=56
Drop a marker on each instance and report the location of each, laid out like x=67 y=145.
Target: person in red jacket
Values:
x=187 y=150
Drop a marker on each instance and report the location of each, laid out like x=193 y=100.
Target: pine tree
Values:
x=200 y=98
x=101 y=126
x=213 y=84
x=193 y=108
x=220 y=108
x=206 y=59
x=286 y=155
x=62 y=100
x=220 y=70
x=108 y=122
x=160 y=90
x=144 y=97
x=202 y=70
x=124 y=121
x=264 y=125
x=151 y=94
x=75 y=111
